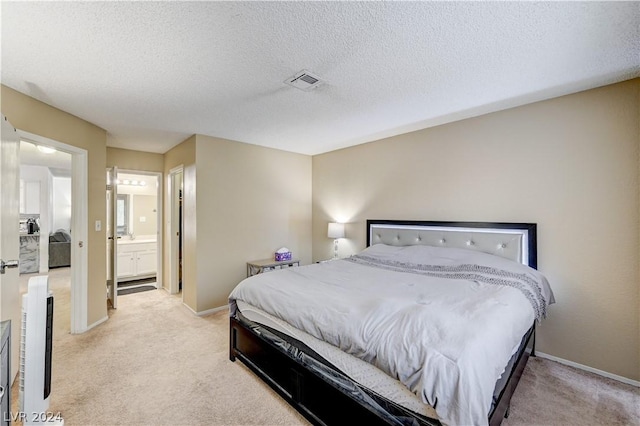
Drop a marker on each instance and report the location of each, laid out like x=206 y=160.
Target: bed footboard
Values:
x=318 y=400
x=324 y=403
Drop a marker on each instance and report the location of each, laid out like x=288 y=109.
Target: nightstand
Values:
x=264 y=265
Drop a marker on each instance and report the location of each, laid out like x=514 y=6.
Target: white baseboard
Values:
x=589 y=369
x=189 y=308
x=208 y=311
x=212 y=311
x=168 y=292
x=97 y=323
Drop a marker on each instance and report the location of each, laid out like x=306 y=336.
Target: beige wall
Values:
x=184 y=155
x=251 y=201
x=127 y=159
x=144 y=206
x=569 y=164
x=33 y=116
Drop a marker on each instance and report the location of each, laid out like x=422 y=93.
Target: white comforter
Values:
x=445 y=332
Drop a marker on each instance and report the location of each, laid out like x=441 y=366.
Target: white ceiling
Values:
x=152 y=73
x=58 y=162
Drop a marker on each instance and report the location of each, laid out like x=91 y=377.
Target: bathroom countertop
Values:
x=136 y=240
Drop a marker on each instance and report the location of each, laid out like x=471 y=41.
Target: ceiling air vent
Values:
x=304 y=80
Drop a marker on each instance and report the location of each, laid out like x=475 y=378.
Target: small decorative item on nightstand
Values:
x=265 y=265
x=282 y=254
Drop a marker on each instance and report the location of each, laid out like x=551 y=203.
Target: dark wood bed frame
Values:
x=323 y=403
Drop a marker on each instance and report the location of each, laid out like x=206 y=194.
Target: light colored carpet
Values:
x=154 y=362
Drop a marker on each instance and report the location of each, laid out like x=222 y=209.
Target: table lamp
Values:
x=335 y=231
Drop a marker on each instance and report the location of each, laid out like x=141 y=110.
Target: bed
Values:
x=432 y=323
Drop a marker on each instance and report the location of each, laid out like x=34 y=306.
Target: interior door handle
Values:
x=8 y=264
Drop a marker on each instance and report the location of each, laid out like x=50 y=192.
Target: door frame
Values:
x=79 y=225
x=159 y=221
x=173 y=227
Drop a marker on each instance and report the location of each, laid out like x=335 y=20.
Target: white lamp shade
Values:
x=336 y=230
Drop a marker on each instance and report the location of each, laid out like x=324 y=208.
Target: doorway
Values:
x=134 y=240
x=175 y=229
x=10 y=231
x=45 y=221
x=72 y=214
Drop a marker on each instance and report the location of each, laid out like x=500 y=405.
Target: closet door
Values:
x=112 y=237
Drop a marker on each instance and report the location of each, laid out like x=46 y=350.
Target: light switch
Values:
x=143 y=218
x=98 y=225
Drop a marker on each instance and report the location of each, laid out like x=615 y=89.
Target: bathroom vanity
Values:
x=137 y=259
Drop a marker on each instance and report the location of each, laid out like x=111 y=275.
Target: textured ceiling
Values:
x=152 y=74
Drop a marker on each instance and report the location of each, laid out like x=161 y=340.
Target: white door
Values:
x=175 y=230
x=9 y=237
x=112 y=237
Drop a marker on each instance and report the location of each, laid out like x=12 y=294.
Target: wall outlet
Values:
x=143 y=218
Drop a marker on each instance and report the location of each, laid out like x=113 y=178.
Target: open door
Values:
x=175 y=230
x=112 y=237
x=10 y=302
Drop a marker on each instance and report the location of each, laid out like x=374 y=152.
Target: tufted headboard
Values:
x=515 y=241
